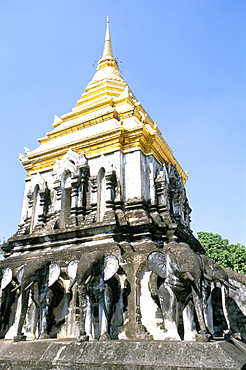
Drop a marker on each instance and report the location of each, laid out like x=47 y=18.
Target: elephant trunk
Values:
x=24 y=304
x=229 y=285
x=83 y=309
x=199 y=311
x=197 y=298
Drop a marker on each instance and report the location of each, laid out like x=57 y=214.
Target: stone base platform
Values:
x=121 y=355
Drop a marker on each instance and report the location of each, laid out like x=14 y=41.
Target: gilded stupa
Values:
x=103 y=179
x=104 y=269
x=106 y=119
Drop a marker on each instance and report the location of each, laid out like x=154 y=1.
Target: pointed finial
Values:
x=107 y=51
x=107 y=35
x=107 y=60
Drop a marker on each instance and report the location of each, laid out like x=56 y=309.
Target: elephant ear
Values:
x=54 y=273
x=7 y=277
x=111 y=266
x=156 y=262
x=72 y=269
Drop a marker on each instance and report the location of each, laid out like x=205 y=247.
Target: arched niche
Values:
x=71 y=161
x=35 y=207
x=65 y=198
x=36 y=204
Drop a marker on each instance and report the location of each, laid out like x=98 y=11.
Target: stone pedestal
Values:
x=122 y=355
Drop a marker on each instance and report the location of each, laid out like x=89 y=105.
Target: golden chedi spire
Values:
x=107 y=50
x=107 y=118
x=107 y=83
x=107 y=67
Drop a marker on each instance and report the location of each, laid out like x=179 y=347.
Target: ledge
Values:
x=121 y=355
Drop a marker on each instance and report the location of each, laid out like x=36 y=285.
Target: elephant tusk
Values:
x=88 y=279
x=188 y=274
x=29 y=285
x=229 y=285
x=14 y=289
x=207 y=277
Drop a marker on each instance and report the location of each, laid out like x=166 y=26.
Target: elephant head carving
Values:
x=94 y=274
x=215 y=272
x=179 y=280
x=37 y=278
x=219 y=282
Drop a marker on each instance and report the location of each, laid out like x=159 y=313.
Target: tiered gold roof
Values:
x=105 y=119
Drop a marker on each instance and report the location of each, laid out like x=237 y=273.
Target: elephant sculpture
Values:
x=40 y=279
x=176 y=279
x=98 y=289
x=217 y=275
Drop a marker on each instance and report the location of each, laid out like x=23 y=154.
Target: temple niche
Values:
x=104 y=249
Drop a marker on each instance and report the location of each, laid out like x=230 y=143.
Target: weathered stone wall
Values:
x=116 y=355
x=237 y=302
x=145 y=207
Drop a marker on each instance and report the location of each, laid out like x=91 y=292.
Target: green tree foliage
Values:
x=231 y=256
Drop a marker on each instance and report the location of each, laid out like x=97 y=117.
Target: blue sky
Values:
x=184 y=60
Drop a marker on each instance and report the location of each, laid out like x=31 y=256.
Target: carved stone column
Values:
x=133 y=327
x=161 y=193
x=25 y=227
x=43 y=206
x=110 y=195
x=82 y=196
x=91 y=216
x=186 y=213
x=41 y=215
x=74 y=194
x=175 y=192
x=93 y=181
x=175 y=195
x=152 y=188
x=57 y=204
x=72 y=219
x=118 y=204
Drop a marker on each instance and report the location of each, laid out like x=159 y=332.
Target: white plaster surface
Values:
x=13 y=329
x=132 y=180
x=149 y=308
